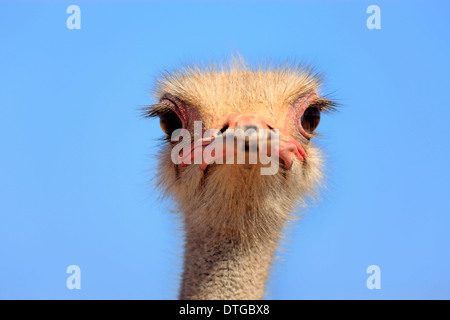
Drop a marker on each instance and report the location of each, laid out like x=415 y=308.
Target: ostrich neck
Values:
x=228 y=265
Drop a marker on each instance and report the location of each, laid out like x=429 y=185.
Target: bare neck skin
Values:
x=220 y=265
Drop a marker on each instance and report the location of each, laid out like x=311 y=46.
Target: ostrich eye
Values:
x=170 y=122
x=311 y=119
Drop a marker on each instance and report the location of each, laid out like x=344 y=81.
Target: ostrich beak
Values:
x=248 y=133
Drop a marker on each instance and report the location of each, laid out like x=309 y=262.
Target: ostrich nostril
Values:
x=225 y=128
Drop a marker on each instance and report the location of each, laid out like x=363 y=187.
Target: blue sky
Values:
x=76 y=160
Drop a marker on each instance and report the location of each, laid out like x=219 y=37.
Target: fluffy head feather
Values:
x=217 y=90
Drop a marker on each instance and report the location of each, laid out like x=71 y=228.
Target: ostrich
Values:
x=234 y=216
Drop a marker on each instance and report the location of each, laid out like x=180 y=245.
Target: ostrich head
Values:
x=232 y=210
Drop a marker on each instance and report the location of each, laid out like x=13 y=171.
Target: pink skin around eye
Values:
x=186 y=115
x=296 y=113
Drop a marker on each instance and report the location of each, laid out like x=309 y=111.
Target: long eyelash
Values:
x=156 y=110
x=324 y=105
